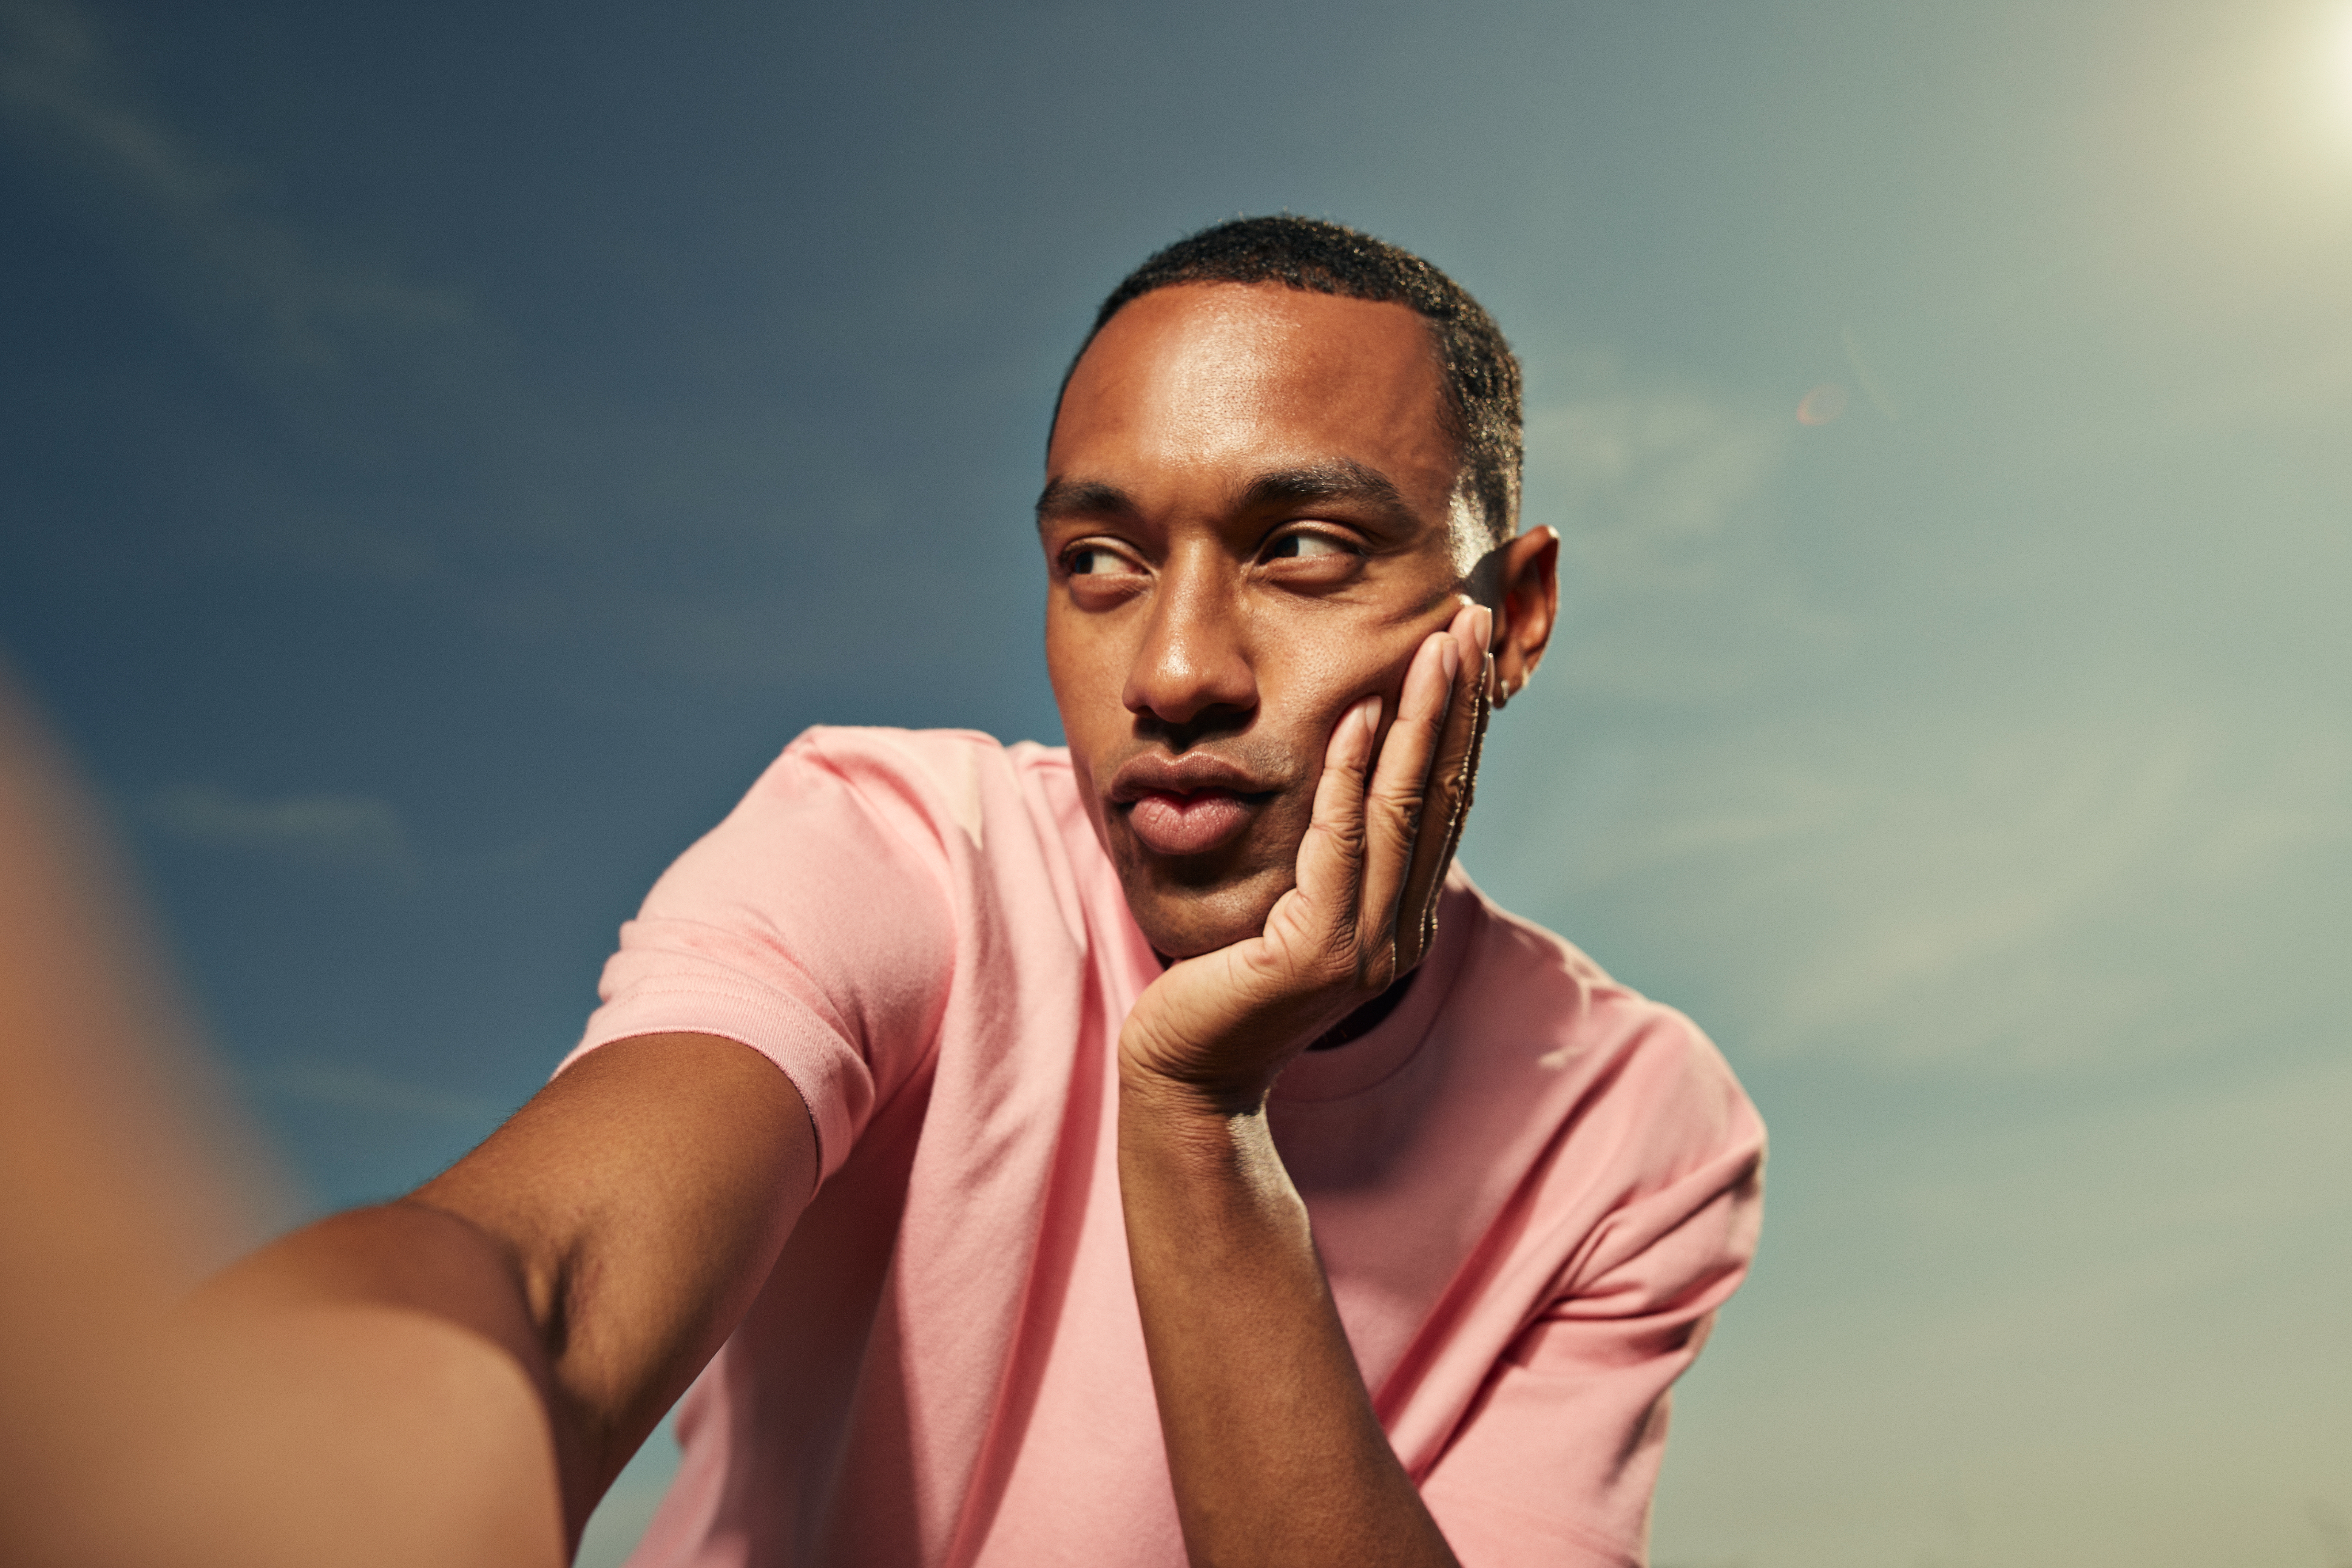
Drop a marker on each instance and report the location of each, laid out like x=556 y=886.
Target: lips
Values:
x=1188 y=824
x=1186 y=806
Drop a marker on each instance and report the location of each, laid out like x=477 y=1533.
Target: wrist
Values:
x=1198 y=1167
x=1151 y=1085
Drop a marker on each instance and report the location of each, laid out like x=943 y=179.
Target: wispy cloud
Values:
x=340 y=1086
x=1637 y=478
x=1942 y=902
x=1977 y=887
x=1866 y=370
x=543 y=511
x=339 y=548
x=2006 y=913
x=355 y=832
x=60 y=82
x=655 y=524
x=1663 y=500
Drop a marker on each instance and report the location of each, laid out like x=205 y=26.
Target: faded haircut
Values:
x=1481 y=373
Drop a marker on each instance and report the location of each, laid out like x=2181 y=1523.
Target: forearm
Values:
x=1275 y=1451
x=473 y=1365
x=375 y=1388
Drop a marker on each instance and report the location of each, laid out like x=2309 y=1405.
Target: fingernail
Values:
x=1482 y=626
x=1449 y=660
x=1370 y=709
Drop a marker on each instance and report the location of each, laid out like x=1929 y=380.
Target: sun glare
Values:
x=2339 y=64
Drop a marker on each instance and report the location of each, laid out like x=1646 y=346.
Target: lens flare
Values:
x=1821 y=404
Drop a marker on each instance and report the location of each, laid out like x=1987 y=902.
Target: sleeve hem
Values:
x=801 y=1048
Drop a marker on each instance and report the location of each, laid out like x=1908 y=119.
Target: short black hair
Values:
x=1482 y=374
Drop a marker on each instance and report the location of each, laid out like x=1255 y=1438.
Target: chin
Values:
x=1185 y=921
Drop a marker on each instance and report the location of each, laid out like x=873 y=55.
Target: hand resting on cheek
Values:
x=1388 y=812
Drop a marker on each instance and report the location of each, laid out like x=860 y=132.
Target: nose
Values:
x=1192 y=664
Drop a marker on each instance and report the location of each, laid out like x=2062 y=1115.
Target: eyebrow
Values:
x=1341 y=480
x=1084 y=498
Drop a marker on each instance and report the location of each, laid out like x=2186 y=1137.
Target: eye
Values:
x=1307 y=547
x=1092 y=561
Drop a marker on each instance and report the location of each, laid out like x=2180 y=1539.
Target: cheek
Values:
x=1088 y=678
x=1324 y=677
x=1070 y=653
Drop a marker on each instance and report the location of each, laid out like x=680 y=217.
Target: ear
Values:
x=1527 y=605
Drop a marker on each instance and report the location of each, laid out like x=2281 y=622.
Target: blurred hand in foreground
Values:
x=139 y=1428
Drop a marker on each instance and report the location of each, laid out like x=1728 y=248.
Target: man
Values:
x=1147 y=1152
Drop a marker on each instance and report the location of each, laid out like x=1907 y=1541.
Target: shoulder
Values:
x=958 y=775
x=998 y=825
x=928 y=763
x=939 y=789
x=1608 y=1055
x=1651 y=1144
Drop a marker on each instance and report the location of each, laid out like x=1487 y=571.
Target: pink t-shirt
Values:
x=1531 y=1188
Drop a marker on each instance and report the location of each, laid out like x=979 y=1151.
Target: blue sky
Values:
x=444 y=450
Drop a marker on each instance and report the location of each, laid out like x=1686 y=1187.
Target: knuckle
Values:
x=1337 y=966
x=1339 y=775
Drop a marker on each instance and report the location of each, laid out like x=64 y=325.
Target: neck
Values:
x=1366 y=1018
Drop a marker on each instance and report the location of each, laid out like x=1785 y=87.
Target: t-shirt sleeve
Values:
x=1556 y=1461
x=811 y=926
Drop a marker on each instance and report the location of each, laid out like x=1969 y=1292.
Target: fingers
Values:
x=1452 y=769
x=1396 y=808
x=1376 y=852
x=1331 y=857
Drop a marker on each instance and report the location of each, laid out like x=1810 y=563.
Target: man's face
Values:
x=1251 y=521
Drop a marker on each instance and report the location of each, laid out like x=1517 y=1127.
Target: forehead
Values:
x=1213 y=375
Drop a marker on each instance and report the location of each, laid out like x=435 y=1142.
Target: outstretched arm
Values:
x=1272 y=1442
x=455 y=1377
x=451 y=1379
